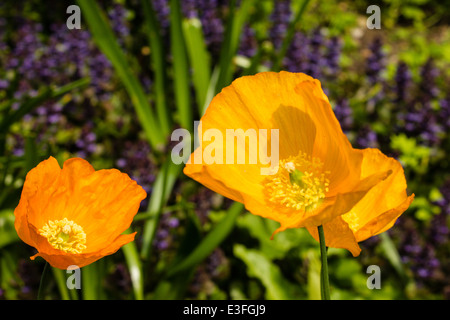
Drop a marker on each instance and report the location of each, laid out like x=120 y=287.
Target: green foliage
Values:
x=260 y=267
x=185 y=75
x=412 y=155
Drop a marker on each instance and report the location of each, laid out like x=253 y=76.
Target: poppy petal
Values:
x=337 y=235
x=38 y=188
x=63 y=260
x=91 y=208
x=376 y=213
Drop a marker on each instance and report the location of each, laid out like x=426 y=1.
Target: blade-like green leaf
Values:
x=391 y=253
x=24 y=108
x=135 y=268
x=59 y=91
x=210 y=242
x=157 y=55
x=200 y=60
x=160 y=193
x=226 y=54
x=180 y=67
x=31 y=153
x=289 y=36
x=230 y=44
x=107 y=43
x=92 y=277
x=60 y=279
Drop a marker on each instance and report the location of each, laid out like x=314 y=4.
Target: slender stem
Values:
x=324 y=282
x=44 y=280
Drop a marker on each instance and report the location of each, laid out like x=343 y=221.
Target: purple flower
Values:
x=403 y=83
x=444 y=113
x=212 y=24
x=367 y=138
x=375 y=61
x=165 y=235
x=162 y=11
x=248 y=45
x=280 y=17
x=315 y=56
x=428 y=88
x=332 y=56
x=344 y=114
x=134 y=158
x=117 y=15
x=296 y=59
x=189 y=8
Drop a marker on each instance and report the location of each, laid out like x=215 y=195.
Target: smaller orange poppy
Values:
x=76 y=215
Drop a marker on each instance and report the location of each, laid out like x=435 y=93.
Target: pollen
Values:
x=300 y=183
x=64 y=235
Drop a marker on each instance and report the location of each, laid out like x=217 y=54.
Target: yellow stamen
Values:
x=64 y=235
x=300 y=183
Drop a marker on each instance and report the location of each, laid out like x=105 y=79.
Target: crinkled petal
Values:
x=379 y=209
x=374 y=213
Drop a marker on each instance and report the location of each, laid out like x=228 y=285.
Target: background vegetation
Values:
x=113 y=91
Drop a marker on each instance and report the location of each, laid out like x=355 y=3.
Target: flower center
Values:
x=300 y=183
x=64 y=235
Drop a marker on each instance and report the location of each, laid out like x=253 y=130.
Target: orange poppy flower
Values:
x=319 y=177
x=75 y=215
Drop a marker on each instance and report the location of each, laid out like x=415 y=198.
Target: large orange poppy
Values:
x=319 y=176
x=76 y=215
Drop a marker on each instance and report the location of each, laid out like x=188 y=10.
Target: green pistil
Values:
x=64 y=236
x=296 y=177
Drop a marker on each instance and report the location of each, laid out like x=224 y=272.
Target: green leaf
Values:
x=314 y=275
x=26 y=107
x=157 y=55
x=173 y=288
x=161 y=191
x=31 y=153
x=59 y=91
x=212 y=240
x=289 y=36
x=260 y=267
x=200 y=60
x=180 y=67
x=226 y=54
x=104 y=37
x=230 y=44
x=135 y=268
x=8 y=233
x=91 y=280
x=391 y=253
x=276 y=248
x=9 y=277
x=9 y=116
x=412 y=155
x=60 y=279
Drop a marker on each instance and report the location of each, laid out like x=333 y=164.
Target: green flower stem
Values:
x=44 y=280
x=324 y=282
